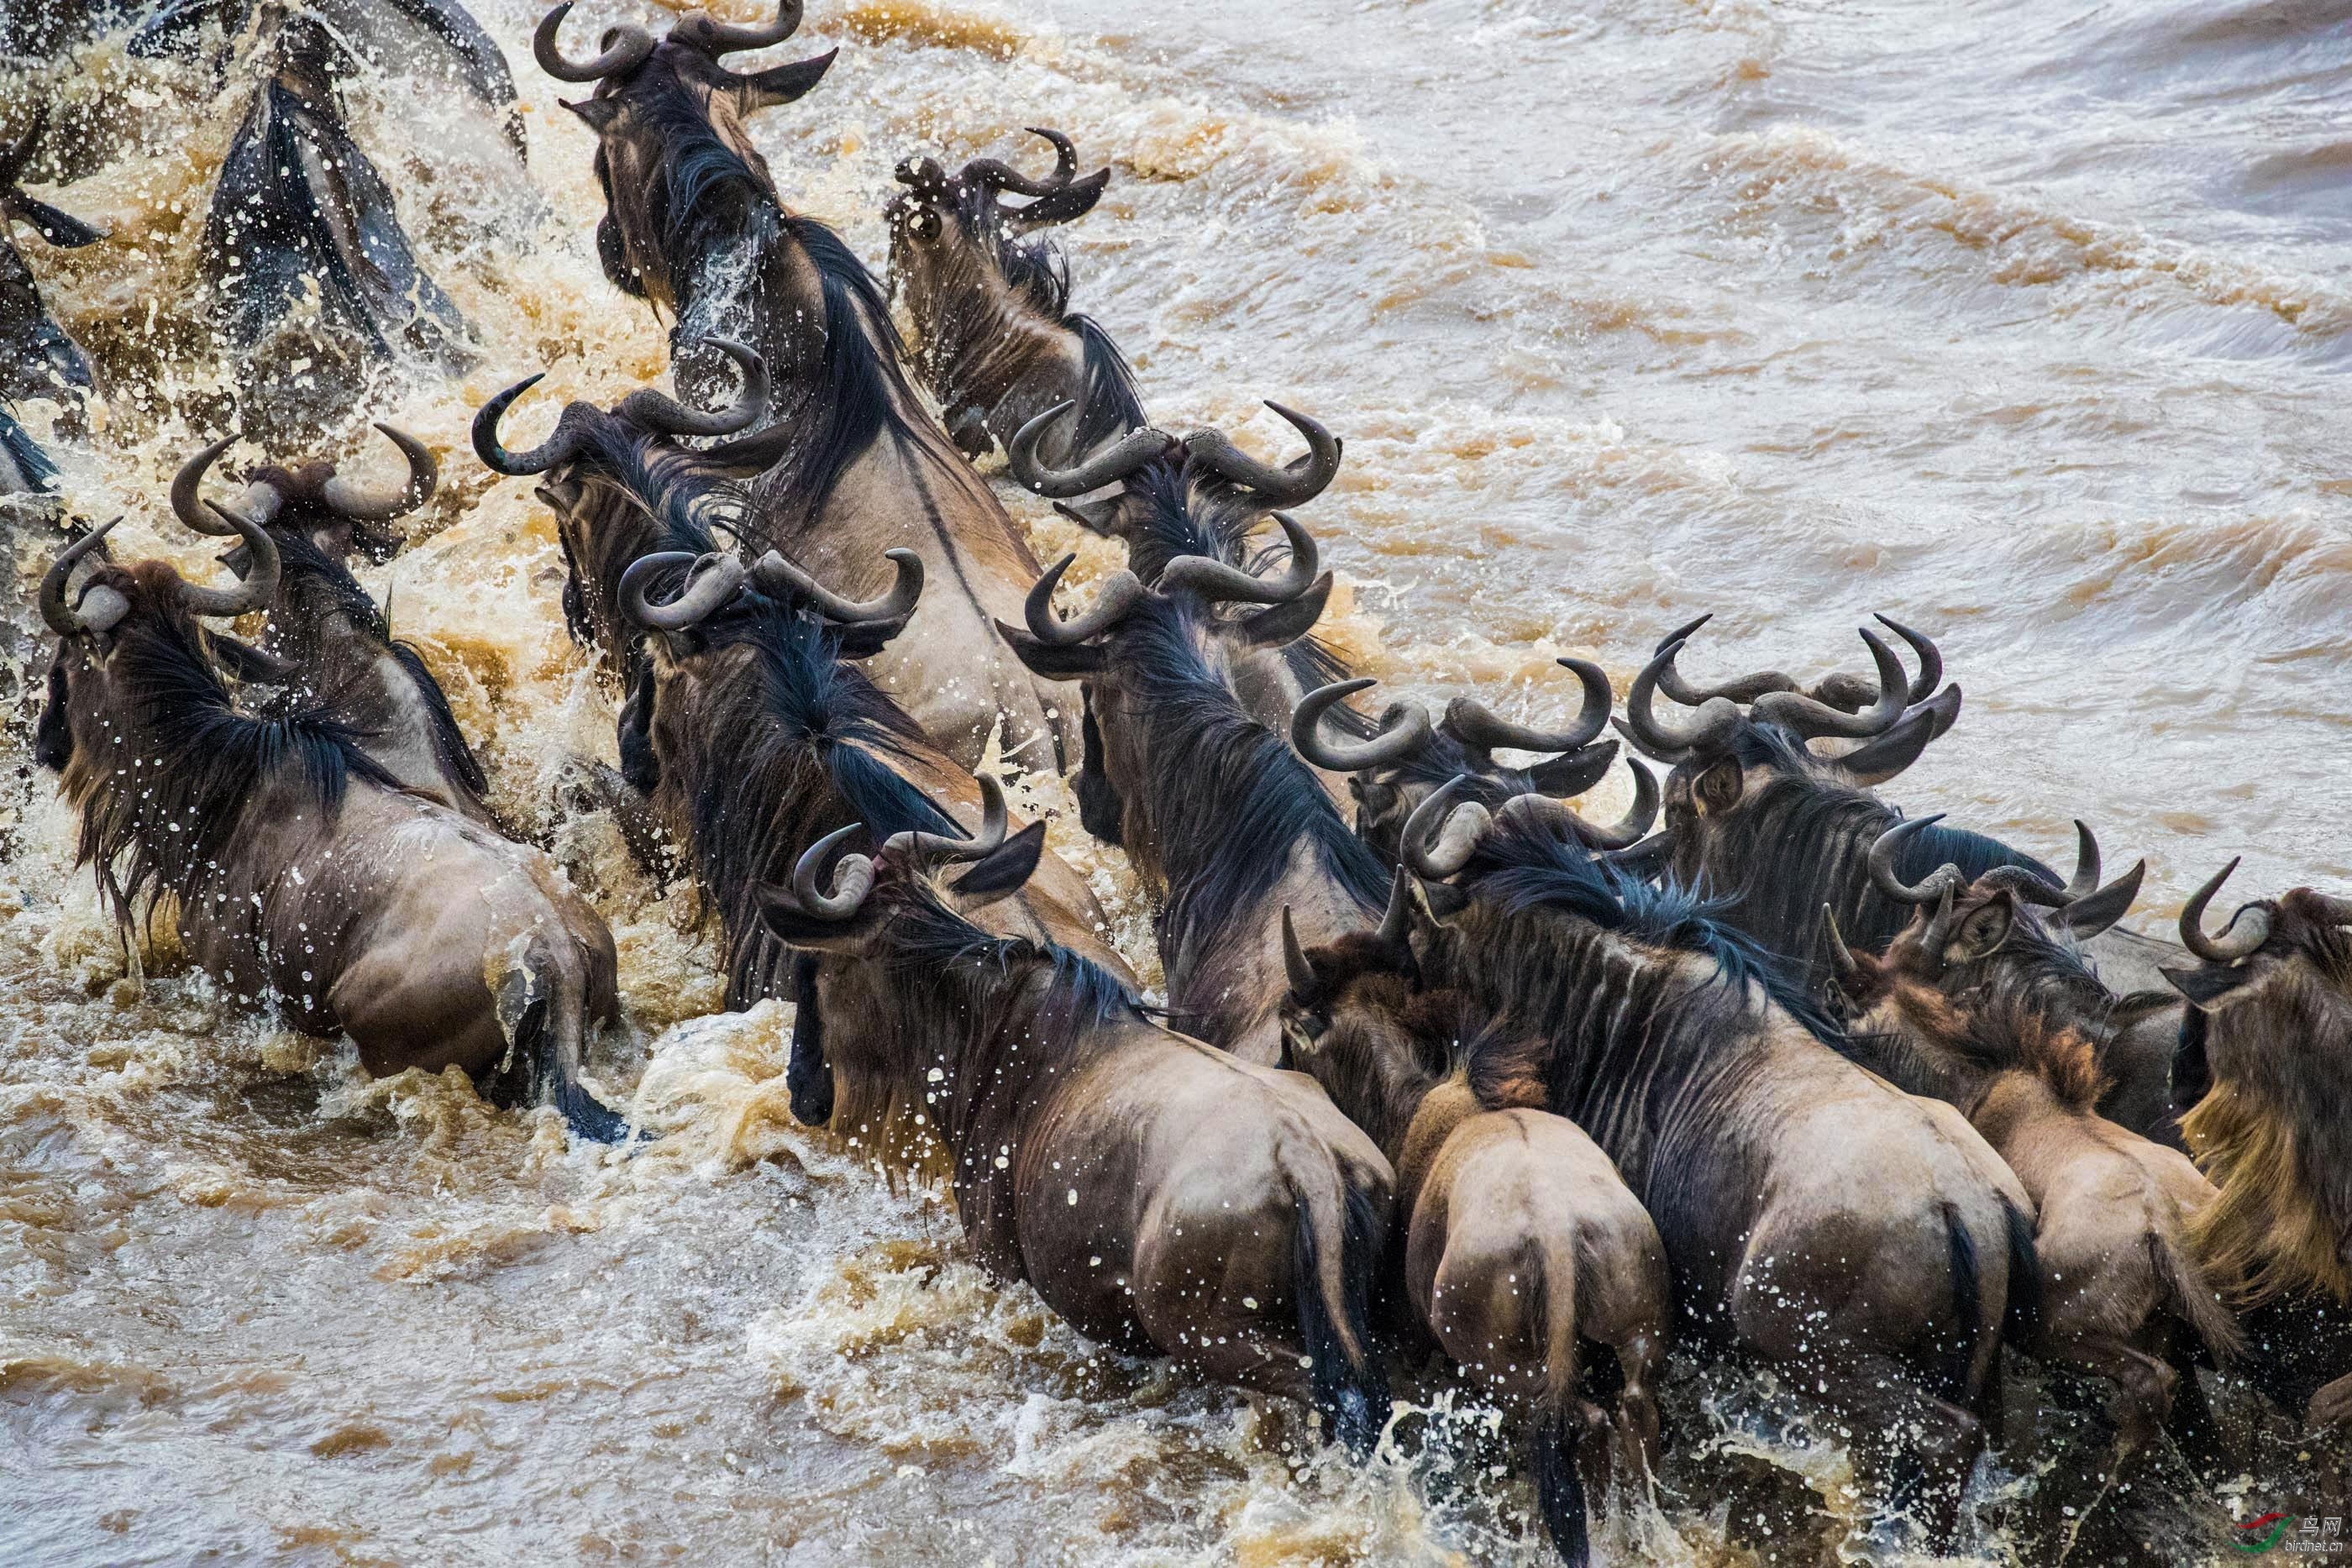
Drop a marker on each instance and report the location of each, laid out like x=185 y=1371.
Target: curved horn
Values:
x=629 y=48
x=364 y=505
x=1456 y=844
x=1395 y=741
x=1842 y=957
x=1943 y=879
x=1300 y=973
x=989 y=175
x=1741 y=689
x=258 y=590
x=103 y=607
x=1622 y=834
x=851 y=883
x=1809 y=718
x=994 y=820
x=711 y=581
x=1218 y=582
x=1938 y=933
x=555 y=449
x=1931 y=658
x=2224 y=948
x=1120 y=592
x=1718 y=719
x=1473 y=724
x=665 y=415
x=728 y=37
x=188 y=486
x=1123 y=457
x=1275 y=487
x=782 y=579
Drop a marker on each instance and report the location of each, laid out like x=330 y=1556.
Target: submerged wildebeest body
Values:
x=1520 y=1239
x=304 y=877
x=1224 y=824
x=2122 y=1296
x=1813 y=1214
x=852 y=465
x=2267 y=1055
x=753 y=737
x=334 y=648
x=1160 y=1195
x=37 y=356
x=303 y=253
x=995 y=341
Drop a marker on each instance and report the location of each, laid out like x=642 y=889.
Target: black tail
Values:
x=552 y=1061
x=1949 y=1378
x=1351 y=1391
x=1559 y=1489
x=2022 y=1320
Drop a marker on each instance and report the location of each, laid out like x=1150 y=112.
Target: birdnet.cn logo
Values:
x=2285 y=1532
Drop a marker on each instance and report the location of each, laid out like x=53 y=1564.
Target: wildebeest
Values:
x=336 y=649
x=1461 y=745
x=1223 y=822
x=1520 y=1239
x=2268 y=1049
x=2120 y=1283
x=995 y=341
x=854 y=465
x=314 y=285
x=1813 y=1216
x=1160 y=1195
x=304 y=877
x=753 y=737
x=37 y=358
x=2014 y=941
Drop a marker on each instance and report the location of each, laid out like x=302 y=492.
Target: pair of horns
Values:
x=261 y=503
x=1720 y=717
x=1439 y=839
x=1212 y=579
x=1479 y=729
x=1840 y=690
x=712 y=581
x=2084 y=906
x=625 y=48
x=646 y=408
x=102 y=608
x=853 y=878
x=1395 y=931
x=1292 y=484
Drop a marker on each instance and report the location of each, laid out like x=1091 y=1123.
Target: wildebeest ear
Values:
x=1874 y=763
x=1004 y=869
x=1719 y=788
x=248 y=663
x=596 y=113
x=63 y=230
x=1055 y=663
x=1284 y=624
x=1574 y=773
x=1986 y=928
x=781 y=83
x=2204 y=983
x=1095 y=516
x=2095 y=912
x=1074 y=200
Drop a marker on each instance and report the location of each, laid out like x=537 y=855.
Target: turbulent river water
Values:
x=2025 y=323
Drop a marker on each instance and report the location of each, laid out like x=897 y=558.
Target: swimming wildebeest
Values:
x=334 y=647
x=853 y=464
x=2268 y=1045
x=305 y=878
x=995 y=340
x=753 y=737
x=1224 y=824
x=303 y=254
x=37 y=356
x=2121 y=1286
x=2027 y=954
x=1520 y=1239
x=1160 y=1195
x=1815 y=1217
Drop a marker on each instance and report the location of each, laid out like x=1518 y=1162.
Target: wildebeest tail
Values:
x=553 y=1038
x=1951 y=1372
x=2022 y=1317
x=2194 y=1300
x=1560 y=1416
x=1334 y=1292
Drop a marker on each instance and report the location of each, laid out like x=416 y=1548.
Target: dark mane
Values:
x=1109 y=403
x=1233 y=799
x=207 y=762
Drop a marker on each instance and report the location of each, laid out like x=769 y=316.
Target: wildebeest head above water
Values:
x=656 y=100
x=37 y=358
x=314 y=283
x=995 y=337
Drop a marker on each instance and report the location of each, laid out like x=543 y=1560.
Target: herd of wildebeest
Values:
x=1766 y=1064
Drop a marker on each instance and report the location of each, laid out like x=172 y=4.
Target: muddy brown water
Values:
x=2024 y=323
